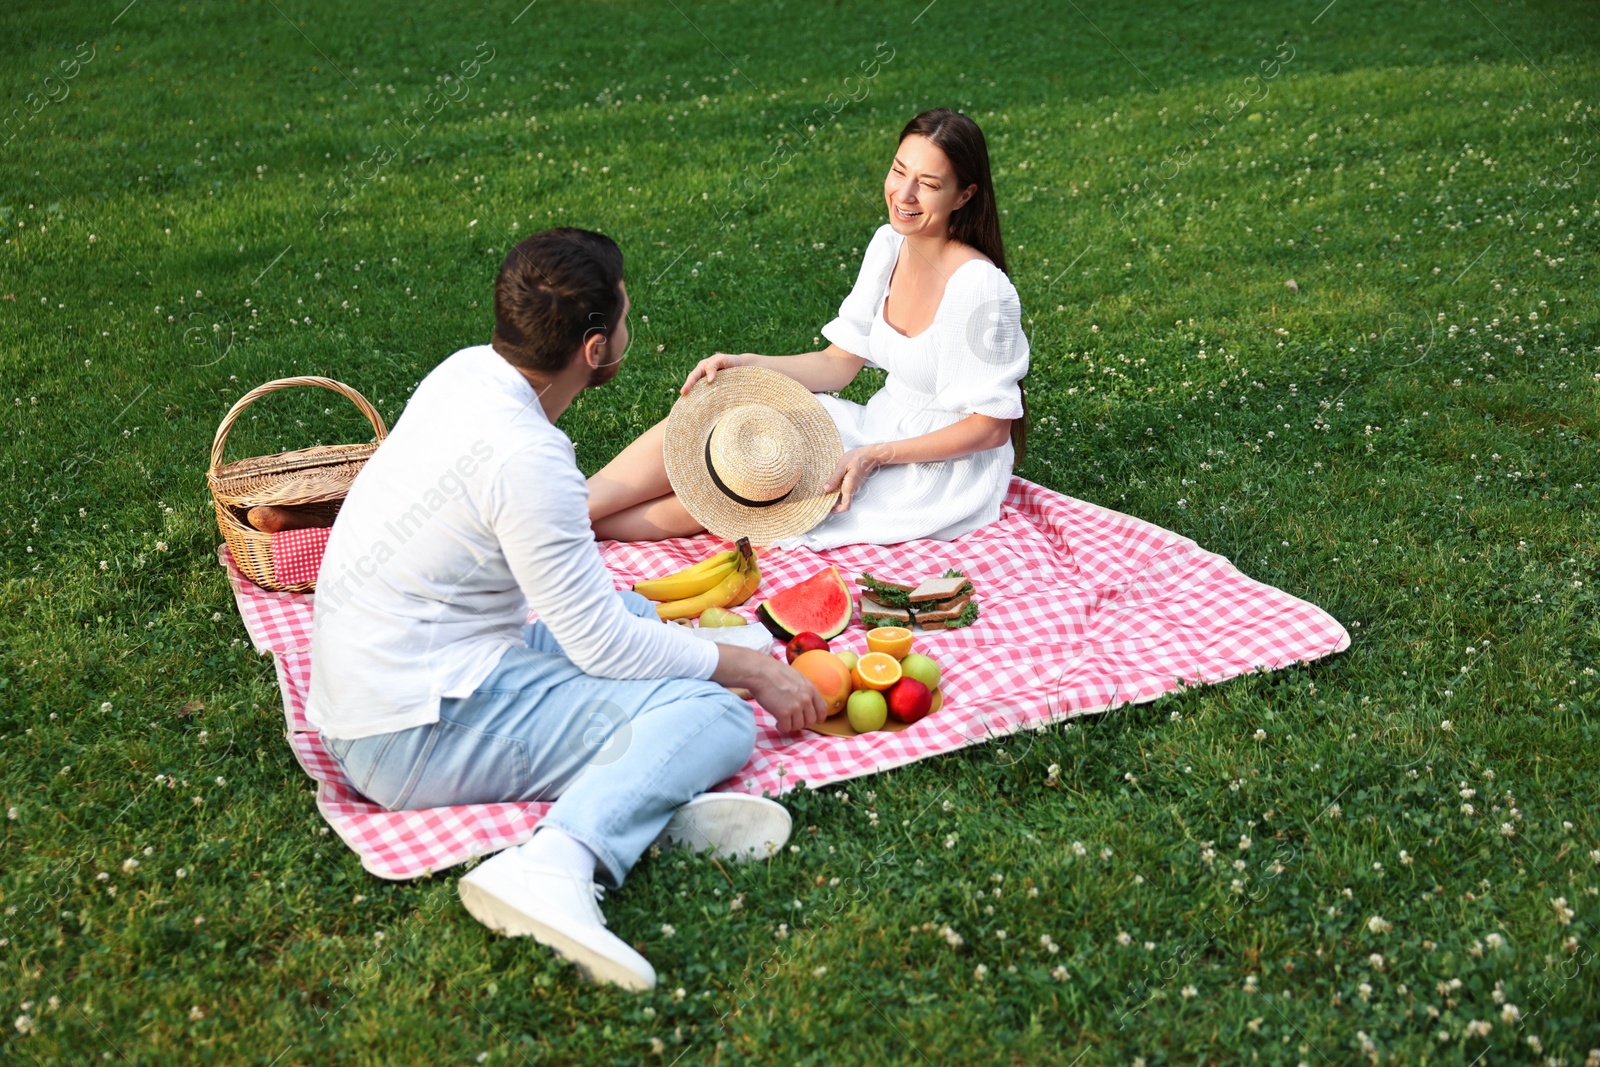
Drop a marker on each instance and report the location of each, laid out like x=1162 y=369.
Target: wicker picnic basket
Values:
x=310 y=478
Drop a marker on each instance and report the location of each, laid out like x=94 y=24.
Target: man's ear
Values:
x=594 y=351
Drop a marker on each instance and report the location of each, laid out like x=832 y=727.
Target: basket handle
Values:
x=260 y=391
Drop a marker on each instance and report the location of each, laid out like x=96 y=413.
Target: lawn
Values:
x=1389 y=856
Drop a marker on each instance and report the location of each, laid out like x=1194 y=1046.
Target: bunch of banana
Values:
x=724 y=580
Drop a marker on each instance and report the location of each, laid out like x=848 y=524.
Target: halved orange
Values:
x=891 y=640
x=876 y=670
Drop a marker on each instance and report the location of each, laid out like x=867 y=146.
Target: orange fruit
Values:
x=891 y=640
x=876 y=670
x=828 y=673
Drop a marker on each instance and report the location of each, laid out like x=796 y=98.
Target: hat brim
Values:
x=684 y=448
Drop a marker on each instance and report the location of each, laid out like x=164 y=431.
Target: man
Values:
x=428 y=689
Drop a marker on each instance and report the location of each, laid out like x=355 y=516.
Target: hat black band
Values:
x=730 y=494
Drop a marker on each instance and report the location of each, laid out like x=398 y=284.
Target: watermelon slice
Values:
x=820 y=604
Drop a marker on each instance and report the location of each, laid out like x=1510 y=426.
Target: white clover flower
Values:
x=1376 y=961
x=1479 y=1028
x=1564 y=914
x=196 y=1013
x=1494 y=941
x=1079 y=850
x=1244 y=842
x=1189 y=992
x=1260 y=735
x=667 y=930
x=1059 y=973
x=1510 y=1014
x=1378 y=925
x=130 y=865
x=1124 y=938
x=980 y=972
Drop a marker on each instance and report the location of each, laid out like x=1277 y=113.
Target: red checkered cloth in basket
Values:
x=297 y=554
x=1084 y=609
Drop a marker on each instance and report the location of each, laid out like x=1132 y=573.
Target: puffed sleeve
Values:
x=984 y=352
x=851 y=329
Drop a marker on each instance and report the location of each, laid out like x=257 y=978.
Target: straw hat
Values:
x=748 y=454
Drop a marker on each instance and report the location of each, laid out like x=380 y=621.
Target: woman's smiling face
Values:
x=921 y=189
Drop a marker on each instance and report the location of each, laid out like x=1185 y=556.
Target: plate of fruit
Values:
x=887 y=687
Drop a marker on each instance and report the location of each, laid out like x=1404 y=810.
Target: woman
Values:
x=930 y=455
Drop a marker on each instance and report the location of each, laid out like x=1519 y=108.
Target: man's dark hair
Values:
x=552 y=290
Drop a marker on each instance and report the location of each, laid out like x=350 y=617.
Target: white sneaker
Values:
x=513 y=895
x=738 y=826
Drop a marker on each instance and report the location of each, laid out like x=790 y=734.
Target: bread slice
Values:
x=935 y=590
x=876 y=614
x=888 y=593
x=966 y=615
x=935 y=609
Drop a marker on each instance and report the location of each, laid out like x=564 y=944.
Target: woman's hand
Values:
x=853 y=469
x=707 y=368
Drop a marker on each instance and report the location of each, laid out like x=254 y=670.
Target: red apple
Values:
x=909 y=700
x=804 y=642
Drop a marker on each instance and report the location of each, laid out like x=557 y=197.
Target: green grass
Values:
x=1400 y=441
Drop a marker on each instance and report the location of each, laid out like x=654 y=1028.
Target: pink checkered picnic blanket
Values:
x=1084 y=609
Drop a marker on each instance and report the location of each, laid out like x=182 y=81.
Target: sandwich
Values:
x=886 y=593
x=941 y=603
x=874 y=614
x=963 y=614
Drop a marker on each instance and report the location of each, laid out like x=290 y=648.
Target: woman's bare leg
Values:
x=636 y=475
x=653 y=520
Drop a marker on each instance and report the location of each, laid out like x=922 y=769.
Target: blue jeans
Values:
x=616 y=757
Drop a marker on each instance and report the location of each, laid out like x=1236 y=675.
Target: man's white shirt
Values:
x=472 y=511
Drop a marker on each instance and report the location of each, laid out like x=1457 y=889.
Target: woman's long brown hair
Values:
x=977 y=222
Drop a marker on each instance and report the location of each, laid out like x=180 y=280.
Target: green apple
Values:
x=867 y=710
x=849 y=659
x=922 y=668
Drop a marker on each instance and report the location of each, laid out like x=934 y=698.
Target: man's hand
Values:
x=776 y=686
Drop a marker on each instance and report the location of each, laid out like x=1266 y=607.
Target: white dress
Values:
x=967 y=362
